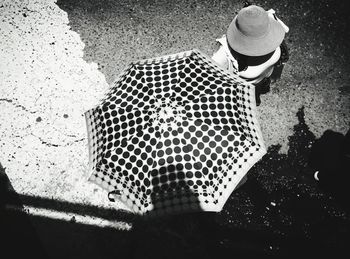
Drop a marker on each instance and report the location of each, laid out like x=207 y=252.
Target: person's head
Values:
x=253 y=32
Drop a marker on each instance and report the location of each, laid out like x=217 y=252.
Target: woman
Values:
x=254 y=47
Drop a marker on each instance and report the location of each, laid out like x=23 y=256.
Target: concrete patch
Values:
x=46 y=86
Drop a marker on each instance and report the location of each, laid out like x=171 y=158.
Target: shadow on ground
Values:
x=43 y=237
x=280 y=198
x=278 y=212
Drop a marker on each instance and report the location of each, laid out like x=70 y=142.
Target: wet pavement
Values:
x=280 y=211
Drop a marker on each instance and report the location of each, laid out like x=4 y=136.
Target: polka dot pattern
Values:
x=174 y=134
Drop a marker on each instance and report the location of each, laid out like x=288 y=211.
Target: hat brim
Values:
x=250 y=46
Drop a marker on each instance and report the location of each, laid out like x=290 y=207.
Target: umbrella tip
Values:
x=113 y=194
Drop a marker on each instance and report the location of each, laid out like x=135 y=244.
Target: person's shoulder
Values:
x=220 y=57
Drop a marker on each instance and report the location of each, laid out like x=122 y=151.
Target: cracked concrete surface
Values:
x=46 y=86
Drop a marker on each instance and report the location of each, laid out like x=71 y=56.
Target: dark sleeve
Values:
x=278 y=67
x=284 y=53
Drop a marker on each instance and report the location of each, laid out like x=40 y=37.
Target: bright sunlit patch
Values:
x=72 y=217
x=46 y=86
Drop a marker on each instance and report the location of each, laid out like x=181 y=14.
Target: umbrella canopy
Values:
x=173 y=134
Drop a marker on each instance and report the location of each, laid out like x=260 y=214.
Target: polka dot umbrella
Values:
x=174 y=134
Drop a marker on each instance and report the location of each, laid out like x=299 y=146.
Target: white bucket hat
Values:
x=253 y=32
